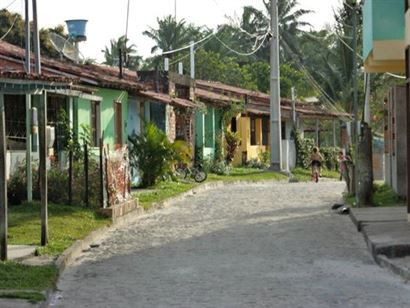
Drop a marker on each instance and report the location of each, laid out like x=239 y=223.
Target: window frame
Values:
x=95 y=123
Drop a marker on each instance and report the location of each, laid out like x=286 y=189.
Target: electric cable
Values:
x=10 y=5
x=188 y=46
x=8 y=31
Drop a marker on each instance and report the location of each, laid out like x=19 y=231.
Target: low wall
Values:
x=119 y=210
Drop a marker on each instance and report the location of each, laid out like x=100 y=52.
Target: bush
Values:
x=330 y=155
x=232 y=143
x=154 y=155
x=255 y=164
x=264 y=158
x=304 y=149
x=57 y=184
x=220 y=168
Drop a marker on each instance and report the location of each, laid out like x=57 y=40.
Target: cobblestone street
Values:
x=259 y=245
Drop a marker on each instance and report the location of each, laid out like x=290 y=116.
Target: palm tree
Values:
x=170 y=34
x=130 y=59
x=255 y=22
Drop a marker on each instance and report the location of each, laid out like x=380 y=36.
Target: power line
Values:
x=10 y=5
x=187 y=55
x=188 y=46
x=8 y=31
x=244 y=54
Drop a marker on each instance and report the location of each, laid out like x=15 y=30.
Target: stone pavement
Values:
x=259 y=245
x=387 y=234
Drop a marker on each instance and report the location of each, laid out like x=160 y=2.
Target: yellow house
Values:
x=253 y=124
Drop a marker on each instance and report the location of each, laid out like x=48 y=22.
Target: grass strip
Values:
x=66 y=225
x=305 y=175
x=17 y=276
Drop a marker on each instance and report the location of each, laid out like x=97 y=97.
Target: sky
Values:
x=107 y=18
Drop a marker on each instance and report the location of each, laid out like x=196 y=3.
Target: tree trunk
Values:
x=364 y=165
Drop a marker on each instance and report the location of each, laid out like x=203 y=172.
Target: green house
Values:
x=97 y=99
x=384 y=36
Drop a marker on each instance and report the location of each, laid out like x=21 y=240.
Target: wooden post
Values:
x=86 y=173
x=3 y=183
x=28 y=150
x=107 y=184
x=70 y=177
x=334 y=134
x=317 y=135
x=43 y=150
x=102 y=203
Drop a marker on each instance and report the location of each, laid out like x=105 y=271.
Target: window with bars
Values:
x=15 y=109
x=253 y=131
x=265 y=131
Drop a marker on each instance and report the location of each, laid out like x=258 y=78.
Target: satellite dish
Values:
x=66 y=47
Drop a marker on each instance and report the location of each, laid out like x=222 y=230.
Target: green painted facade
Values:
x=383 y=20
x=82 y=113
x=207 y=126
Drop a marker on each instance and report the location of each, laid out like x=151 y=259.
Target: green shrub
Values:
x=232 y=143
x=330 y=155
x=154 y=155
x=304 y=149
x=57 y=180
x=220 y=168
x=264 y=158
x=219 y=155
x=255 y=164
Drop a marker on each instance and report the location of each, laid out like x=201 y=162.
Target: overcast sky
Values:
x=107 y=18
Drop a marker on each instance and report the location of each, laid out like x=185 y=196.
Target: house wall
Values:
x=396 y=141
x=383 y=35
x=247 y=151
x=134 y=116
x=107 y=114
x=206 y=128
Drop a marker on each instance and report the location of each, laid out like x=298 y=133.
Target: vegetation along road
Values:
x=259 y=245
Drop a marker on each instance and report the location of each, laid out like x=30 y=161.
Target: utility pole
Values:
x=126 y=26
x=192 y=57
x=354 y=78
x=28 y=106
x=275 y=116
x=36 y=38
x=3 y=183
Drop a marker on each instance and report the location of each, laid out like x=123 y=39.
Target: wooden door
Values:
x=118 y=124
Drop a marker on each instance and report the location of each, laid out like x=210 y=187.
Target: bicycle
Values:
x=197 y=172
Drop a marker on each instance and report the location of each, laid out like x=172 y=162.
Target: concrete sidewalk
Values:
x=387 y=234
x=20 y=252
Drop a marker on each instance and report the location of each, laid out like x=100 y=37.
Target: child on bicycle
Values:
x=316 y=161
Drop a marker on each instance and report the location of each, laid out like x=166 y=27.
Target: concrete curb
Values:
x=385 y=262
x=380 y=253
